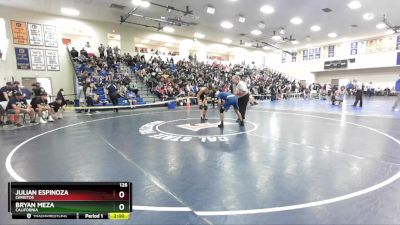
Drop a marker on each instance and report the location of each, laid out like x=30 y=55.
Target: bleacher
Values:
x=103 y=101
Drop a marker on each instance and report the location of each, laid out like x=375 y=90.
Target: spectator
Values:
x=60 y=95
x=359 y=93
x=91 y=96
x=101 y=51
x=6 y=92
x=26 y=92
x=18 y=105
x=40 y=105
x=109 y=51
x=84 y=53
x=339 y=96
x=37 y=90
x=74 y=53
x=16 y=88
x=113 y=95
x=397 y=88
x=57 y=108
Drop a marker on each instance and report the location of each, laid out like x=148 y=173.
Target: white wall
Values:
x=298 y=70
x=380 y=77
x=372 y=65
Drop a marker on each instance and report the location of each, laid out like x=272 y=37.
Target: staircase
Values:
x=144 y=91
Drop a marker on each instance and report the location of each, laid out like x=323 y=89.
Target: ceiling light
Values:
x=199 y=35
x=276 y=38
x=295 y=42
x=354 y=5
x=381 y=26
x=210 y=10
x=247 y=44
x=261 y=25
x=227 y=41
x=332 y=35
x=256 y=32
x=296 y=20
x=267 y=48
x=368 y=16
x=267 y=9
x=145 y=41
x=242 y=19
x=70 y=12
x=144 y=4
x=390 y=32
x=169 y=29
x=315 y=28
x=226 y=25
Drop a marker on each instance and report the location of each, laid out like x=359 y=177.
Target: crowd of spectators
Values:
x=167 y=79
x=17 y=101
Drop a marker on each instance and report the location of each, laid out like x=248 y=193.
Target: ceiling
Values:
x=340 y=20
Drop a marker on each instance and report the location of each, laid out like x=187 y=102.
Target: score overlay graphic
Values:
x=75 y=200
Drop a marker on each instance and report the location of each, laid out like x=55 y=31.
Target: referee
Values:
x=240 y=89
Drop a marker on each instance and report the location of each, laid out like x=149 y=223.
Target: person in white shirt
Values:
x=240 y=89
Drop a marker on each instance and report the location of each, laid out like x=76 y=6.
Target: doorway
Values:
x=44 y=81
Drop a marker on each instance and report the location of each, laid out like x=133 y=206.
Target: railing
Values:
x=75 y=80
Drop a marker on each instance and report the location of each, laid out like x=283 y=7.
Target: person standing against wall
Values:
x=102 y=50
x=240 y=89
x=358 y=86
x=397 y=88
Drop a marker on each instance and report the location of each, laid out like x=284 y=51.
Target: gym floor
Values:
x=294 y=162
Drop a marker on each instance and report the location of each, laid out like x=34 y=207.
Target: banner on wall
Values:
x=362 y=47
x=354 y=48
x=294 y=56
x=398 y=58
x=311 y=54
x=22 y=57
x=371 y=46
x=317 y=53
x=52 y=60
x=50 y=36
x=331 y=51
x=389 y=43
x=35 y=34
x=19 y=32
x=398 y=43
x=38 y=59
x=305 y=55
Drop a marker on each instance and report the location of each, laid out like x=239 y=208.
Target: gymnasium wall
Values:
x=380 y=77
x=81 y=31
x=380 y=67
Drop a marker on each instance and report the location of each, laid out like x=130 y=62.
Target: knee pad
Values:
x=221 y=110
x=201 y=107
x=205 y=108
